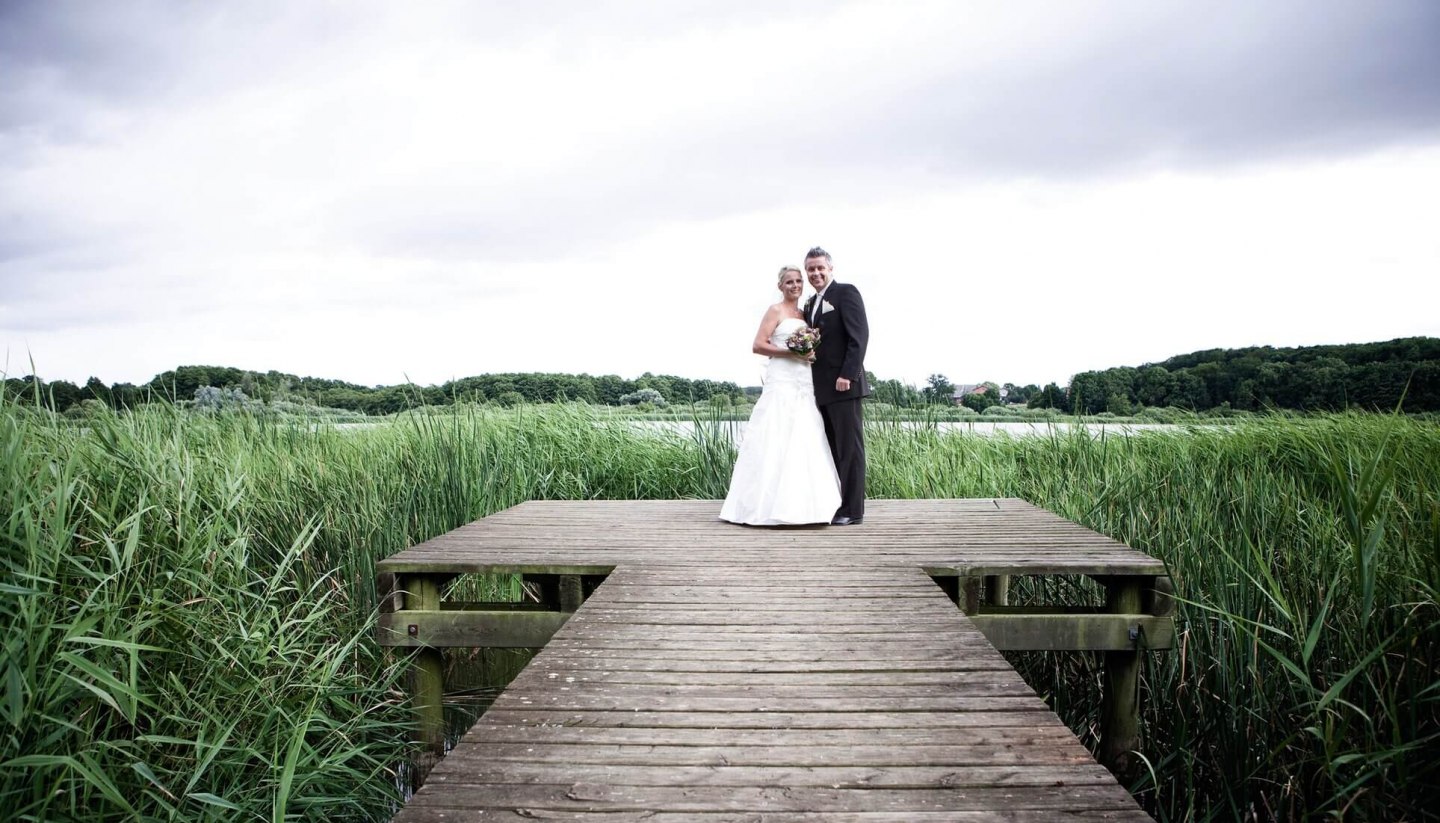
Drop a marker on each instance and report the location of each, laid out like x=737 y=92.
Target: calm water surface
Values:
x=1012 y=428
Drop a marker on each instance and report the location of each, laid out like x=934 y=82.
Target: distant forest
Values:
x=1371 y=376
x=187 y=382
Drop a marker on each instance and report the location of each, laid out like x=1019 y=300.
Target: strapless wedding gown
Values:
x=784 y=474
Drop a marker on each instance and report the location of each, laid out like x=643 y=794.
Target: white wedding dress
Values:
x=784 y=474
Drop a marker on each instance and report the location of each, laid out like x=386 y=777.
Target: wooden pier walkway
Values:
x=727 y=673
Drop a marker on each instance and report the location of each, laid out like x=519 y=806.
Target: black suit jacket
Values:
x=844 y=334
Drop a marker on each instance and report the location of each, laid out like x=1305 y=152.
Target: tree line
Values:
x=1371 y=376
x=183 y=384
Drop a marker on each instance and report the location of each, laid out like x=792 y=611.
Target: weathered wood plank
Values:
x=1032 y=734
x=997 y=675
x=482 y=771
x=831 y=643
x=939 y=617
x=640 y=718
x=1093 y=632
x=639 y=799
x=768 y=692
x=727 y=673
x=903 y=659
x=761 y=703
x=493 y=629
x=591 y=537
x=648 y=662
x=502 y=815
x=839 y=612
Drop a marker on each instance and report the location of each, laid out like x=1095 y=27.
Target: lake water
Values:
x=1011 y=428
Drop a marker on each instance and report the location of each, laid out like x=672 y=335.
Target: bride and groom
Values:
x=802 y=456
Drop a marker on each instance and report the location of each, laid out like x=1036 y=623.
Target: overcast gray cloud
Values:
x=807 y=92
x=162 y=161
x=1078 y=89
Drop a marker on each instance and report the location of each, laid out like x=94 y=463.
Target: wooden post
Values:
x=571 y=593
x=1120 y=699
x=564 y=592
x=429 y=671
x=1158 y=598
x=388 y=597
x=997 y=589
x=970 y=591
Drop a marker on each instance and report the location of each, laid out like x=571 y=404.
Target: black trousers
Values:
x=844 y=428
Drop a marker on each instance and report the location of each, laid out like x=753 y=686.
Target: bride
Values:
x=784 y=474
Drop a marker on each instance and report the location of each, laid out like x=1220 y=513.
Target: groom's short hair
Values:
x=819 y=252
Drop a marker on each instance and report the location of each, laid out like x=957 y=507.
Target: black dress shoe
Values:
x=847 y=521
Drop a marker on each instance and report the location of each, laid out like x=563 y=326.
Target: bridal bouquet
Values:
x=804 y=341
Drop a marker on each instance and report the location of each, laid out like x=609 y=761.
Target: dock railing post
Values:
x=971 y=594
x=429 y=671
x=572 y=593
x=1120 y=699
x=411 y=617
x=997 y=589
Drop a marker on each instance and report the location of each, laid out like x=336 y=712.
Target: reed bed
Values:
x=190 y=597
x=1307 y=552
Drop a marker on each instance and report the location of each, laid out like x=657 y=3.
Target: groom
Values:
x=839 y=375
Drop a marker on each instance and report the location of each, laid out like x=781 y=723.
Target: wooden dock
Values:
x=723 y=673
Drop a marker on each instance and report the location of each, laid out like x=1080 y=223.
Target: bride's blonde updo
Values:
x=783 y=269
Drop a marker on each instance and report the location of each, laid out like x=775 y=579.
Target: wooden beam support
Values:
x=495 y=629
x=997 y=589
x=412 y=616
x=1047 y=611
x=564 y=592
x=572 y=593
x=971 y=589
x=387 y=595
x=1075 y=632
x=1159 y=597
x=423 y=593
x=1120 y=696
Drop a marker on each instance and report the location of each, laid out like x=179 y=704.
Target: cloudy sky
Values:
x=381 y=192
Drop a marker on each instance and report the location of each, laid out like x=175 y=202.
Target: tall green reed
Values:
x=1305 y=681
x=169 y=654
x=192 y=596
